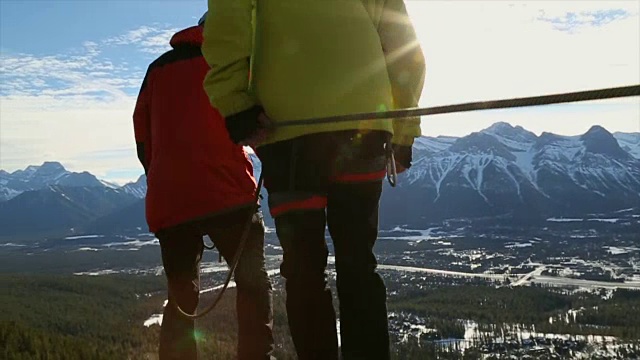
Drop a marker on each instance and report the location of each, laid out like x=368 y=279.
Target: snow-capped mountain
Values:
x=137 y=188
x=506 y=170
x=56 y=208
x=39 y=177
x=35 y=177
x=499 y=172
x=6 y=192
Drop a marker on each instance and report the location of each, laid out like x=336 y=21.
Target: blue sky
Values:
x=70 y=70
x=127 y=34
x=69 y=23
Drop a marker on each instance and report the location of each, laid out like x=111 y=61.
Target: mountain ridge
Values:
x=507 y=169
x=502 y=171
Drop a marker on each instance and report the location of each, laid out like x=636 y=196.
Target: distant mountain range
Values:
x=50 y=199
x=509 y=171
x=52 y=173
x=502 y=172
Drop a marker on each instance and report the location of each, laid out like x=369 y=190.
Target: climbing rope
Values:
x=234 y=262
x=601 y=94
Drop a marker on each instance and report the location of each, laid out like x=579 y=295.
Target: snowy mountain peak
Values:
x=600 y=141
x=506 y=129
x=51 y=165
x=500 y=127
x=41 y=177
x=142 y=179
x=595 y=129
x=49 y=168
x=481 y=143
x=137 y=188
x=514 y=138
x=506 y=169
x=31 y=168
x=547 y=138
x=28 y=171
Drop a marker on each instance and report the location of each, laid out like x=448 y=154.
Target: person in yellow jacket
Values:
x=284 y=60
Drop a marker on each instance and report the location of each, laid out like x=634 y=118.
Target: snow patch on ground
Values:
x=83 y=237
x=12 y=245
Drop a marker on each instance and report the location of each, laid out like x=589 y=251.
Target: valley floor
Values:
x=454 y=293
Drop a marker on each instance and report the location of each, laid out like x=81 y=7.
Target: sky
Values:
x=70 y=70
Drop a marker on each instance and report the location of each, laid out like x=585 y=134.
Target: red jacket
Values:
x=193 y=169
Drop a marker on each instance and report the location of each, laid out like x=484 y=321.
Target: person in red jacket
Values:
x=199 y=183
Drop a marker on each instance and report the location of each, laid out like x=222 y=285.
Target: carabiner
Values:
x=392 y=173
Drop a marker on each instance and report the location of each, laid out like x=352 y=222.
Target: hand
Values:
x=261 y=133
x=403 y=156
x=244 y=125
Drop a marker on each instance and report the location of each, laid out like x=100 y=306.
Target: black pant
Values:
x=182 y=248
x=334 y=179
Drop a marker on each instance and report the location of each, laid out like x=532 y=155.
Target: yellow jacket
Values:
x=303 y=59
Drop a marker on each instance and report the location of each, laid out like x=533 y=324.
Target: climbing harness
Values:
x=398 y=115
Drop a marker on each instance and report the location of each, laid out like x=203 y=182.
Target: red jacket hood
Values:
x=188 y=36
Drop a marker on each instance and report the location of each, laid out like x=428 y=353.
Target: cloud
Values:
x=91 y=135
x=62 y=76
x=83 y=71
x=572 y=21
x=75 y=106
x=148 y=39
x=497 y=50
